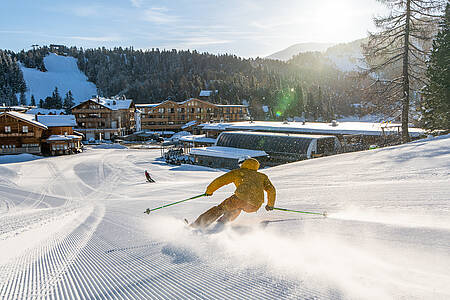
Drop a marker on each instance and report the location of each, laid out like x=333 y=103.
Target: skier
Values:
x=147 y=175
x=248 y=196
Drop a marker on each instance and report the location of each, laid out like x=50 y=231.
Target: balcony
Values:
x=89 y=119
x=154 y=120
x=14 y=134
x=20 y=150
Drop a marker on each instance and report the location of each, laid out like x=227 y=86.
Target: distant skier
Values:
x=147 y=175
x=248 y=196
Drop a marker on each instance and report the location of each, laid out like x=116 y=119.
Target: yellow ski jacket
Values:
x=250 y=184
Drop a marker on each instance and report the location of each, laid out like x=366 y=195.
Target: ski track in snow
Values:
x=72 y=227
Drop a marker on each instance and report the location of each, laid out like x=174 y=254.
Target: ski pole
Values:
x=148 y=210
x=302 y=212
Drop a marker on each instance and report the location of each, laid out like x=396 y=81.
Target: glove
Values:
x=269 y=208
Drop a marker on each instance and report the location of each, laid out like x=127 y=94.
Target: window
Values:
x=7 y=129
x=24 y=129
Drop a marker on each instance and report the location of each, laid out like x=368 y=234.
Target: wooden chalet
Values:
x=60 y=137
x=101 y=118
x=20 y=133
x=171 y=116
x=38 y=134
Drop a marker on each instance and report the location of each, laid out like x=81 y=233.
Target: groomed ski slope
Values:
x=63 y=72
x=73 y=227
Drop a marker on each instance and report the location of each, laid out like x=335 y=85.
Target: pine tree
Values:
x=68 y=102
x=13 y=99
x=23 y=99
x=56 y=101
x=49 y=103
x=33 y=101
x=41 y=103
x=436 y=104
x=397 y=54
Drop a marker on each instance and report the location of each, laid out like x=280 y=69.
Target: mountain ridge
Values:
x=295 y=49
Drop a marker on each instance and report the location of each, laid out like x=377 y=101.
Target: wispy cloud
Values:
x=96 y=38
x=159 y=15
x=16 y=31
x=202 y=41
x=136 y=3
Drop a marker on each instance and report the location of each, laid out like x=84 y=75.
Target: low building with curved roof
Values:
x=281 y=147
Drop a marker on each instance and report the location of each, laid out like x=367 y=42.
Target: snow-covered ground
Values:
x=62 y=72
x=73 y=227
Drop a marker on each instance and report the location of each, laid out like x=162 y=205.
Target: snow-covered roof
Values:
x=189 y=124
x=165 y=132
x=57 y=120
x=13 y=108
x=178 y=135
x=26 y=118
x=153 y=105
x=147 y=105
x=197 y=138
x=227 y=152
x=57 y=137
x=207 y=93
x=280 y=134
x=112 y=104
x=365 y=128
x=44 y=111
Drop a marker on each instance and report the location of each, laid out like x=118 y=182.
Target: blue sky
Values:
x=247 y=28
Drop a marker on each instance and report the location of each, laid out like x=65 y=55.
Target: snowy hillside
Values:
x=290 y=51
x=346 y=57
x=62 y=72
x=73 y=227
